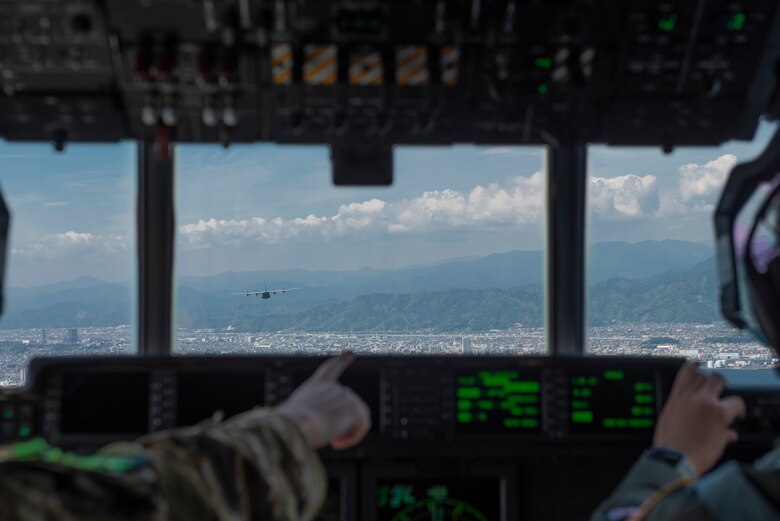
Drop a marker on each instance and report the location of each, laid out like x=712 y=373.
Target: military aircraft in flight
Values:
x=266 y=293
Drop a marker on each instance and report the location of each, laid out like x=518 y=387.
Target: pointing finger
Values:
x=331 y=369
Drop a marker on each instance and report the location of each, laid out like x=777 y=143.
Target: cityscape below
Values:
x=714 y=345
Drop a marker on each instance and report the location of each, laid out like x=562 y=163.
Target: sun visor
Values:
x=5 y=218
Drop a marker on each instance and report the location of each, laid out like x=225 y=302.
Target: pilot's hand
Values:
x=326 y=411
x=696 y=420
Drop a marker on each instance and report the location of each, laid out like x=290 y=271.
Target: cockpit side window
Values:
x=71 y=259
x=652 y=279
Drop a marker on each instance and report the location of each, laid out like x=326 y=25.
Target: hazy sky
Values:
x=273 y=207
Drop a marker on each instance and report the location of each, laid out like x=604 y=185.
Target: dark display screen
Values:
x=331 y=509
x=447 y=499
x=106 y=403
x=498 y=401
x=364 y=384
x=613 y=400
x=201 y=394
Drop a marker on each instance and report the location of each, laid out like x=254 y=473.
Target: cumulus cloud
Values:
x=518 y=202
x=521 y=201
x=71 y=243
x=701 y=184
x=624 y=196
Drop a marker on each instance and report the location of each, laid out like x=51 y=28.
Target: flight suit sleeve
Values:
x=256 y=465
x=725 y=494
x=645 y=478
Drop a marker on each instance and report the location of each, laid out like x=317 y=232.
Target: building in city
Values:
x=466 y=344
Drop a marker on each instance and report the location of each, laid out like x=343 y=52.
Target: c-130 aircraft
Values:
x=265 y=293
x=493 y=438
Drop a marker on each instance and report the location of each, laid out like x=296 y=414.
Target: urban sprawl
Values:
x=714 y=345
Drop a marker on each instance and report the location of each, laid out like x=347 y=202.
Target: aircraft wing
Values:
x=282 y=290
x=261 y=291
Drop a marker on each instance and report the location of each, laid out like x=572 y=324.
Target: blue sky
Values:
x=273 y=207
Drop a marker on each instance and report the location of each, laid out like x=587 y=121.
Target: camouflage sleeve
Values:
x=254 y=466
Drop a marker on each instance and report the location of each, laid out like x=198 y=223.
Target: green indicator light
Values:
x=644 y=398
x=531 y=411
x=642 y=411
x=667 y=23
x=575 y=393
x=469 y=392
x=529 y=423
x=580 y=404
x=543 y=63
x=485 y=404
x=736 y=22
x=614 y=375
x=464 y=417
x=495 y=381
x=496 y=393
x=523 y=387
x=586 y=393
x=24 y=432
x=8 y=415
x=464 y=405
x=543 y=89
x=592 y=380
x=641 y=387
x=482 y=417
x=582 y=417
x=517 y=411
x=512 y=422
x=640 y=423
x=522 y=398
x=609 y=423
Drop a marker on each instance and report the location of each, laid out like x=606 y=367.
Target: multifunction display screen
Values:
x=617 y=399
x=447 y=499
x=105 y=403
x=490 y=401
x=200 y=394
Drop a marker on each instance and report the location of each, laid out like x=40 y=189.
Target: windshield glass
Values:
x=69 y=276
x=271 y=257
x=652 y=274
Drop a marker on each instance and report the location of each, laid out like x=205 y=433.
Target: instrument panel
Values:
x=414 y=400
x=453 y=437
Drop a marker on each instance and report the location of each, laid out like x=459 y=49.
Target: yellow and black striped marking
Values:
x=411 y=65
x=320 y=64
x=281 y=63
x=450 y=65
x=366 y=68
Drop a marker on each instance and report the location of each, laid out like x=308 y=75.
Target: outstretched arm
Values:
x=260 y=464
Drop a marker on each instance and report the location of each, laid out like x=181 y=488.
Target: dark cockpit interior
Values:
x=493 y=438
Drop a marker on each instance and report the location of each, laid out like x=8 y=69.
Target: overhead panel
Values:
x=388 y=72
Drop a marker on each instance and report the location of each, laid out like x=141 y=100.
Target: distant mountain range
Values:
x=652 y=281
